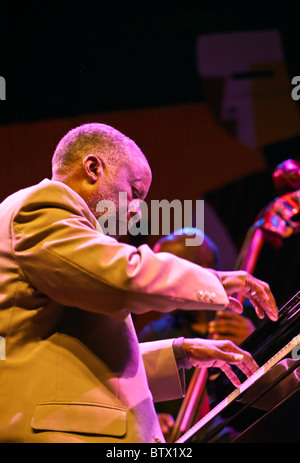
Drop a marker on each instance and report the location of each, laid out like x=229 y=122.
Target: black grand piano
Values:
x=266 y=408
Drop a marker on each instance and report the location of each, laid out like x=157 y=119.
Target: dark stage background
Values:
x=203 y=88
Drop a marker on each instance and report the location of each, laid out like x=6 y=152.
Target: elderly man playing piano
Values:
x=74 y=370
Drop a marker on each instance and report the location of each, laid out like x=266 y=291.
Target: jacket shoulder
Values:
x=47 y=194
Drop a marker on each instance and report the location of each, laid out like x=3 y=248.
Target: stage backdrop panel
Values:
x=189 y=153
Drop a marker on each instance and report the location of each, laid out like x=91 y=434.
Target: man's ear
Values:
x=93 y=167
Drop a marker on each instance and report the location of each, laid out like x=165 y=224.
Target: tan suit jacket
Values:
x=74 y=371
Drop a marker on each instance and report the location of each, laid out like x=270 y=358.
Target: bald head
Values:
x=99 y=162
x=102 y=140
x=205 y=254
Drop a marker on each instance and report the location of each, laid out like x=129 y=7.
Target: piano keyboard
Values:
x=246 y=384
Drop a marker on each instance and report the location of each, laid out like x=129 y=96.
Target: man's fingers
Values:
x=235 y=305
x=166 y=422
x=245 y=364
x=230 y=375
x=228 y=325
x=242 y=359
x=263 y=302
x=257 y=291
x=248 y=366
x=220 y=354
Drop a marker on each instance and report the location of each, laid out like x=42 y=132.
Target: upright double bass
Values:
x=273 y=224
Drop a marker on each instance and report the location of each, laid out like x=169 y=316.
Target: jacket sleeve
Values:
x=63 y=254
x=165 y=381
